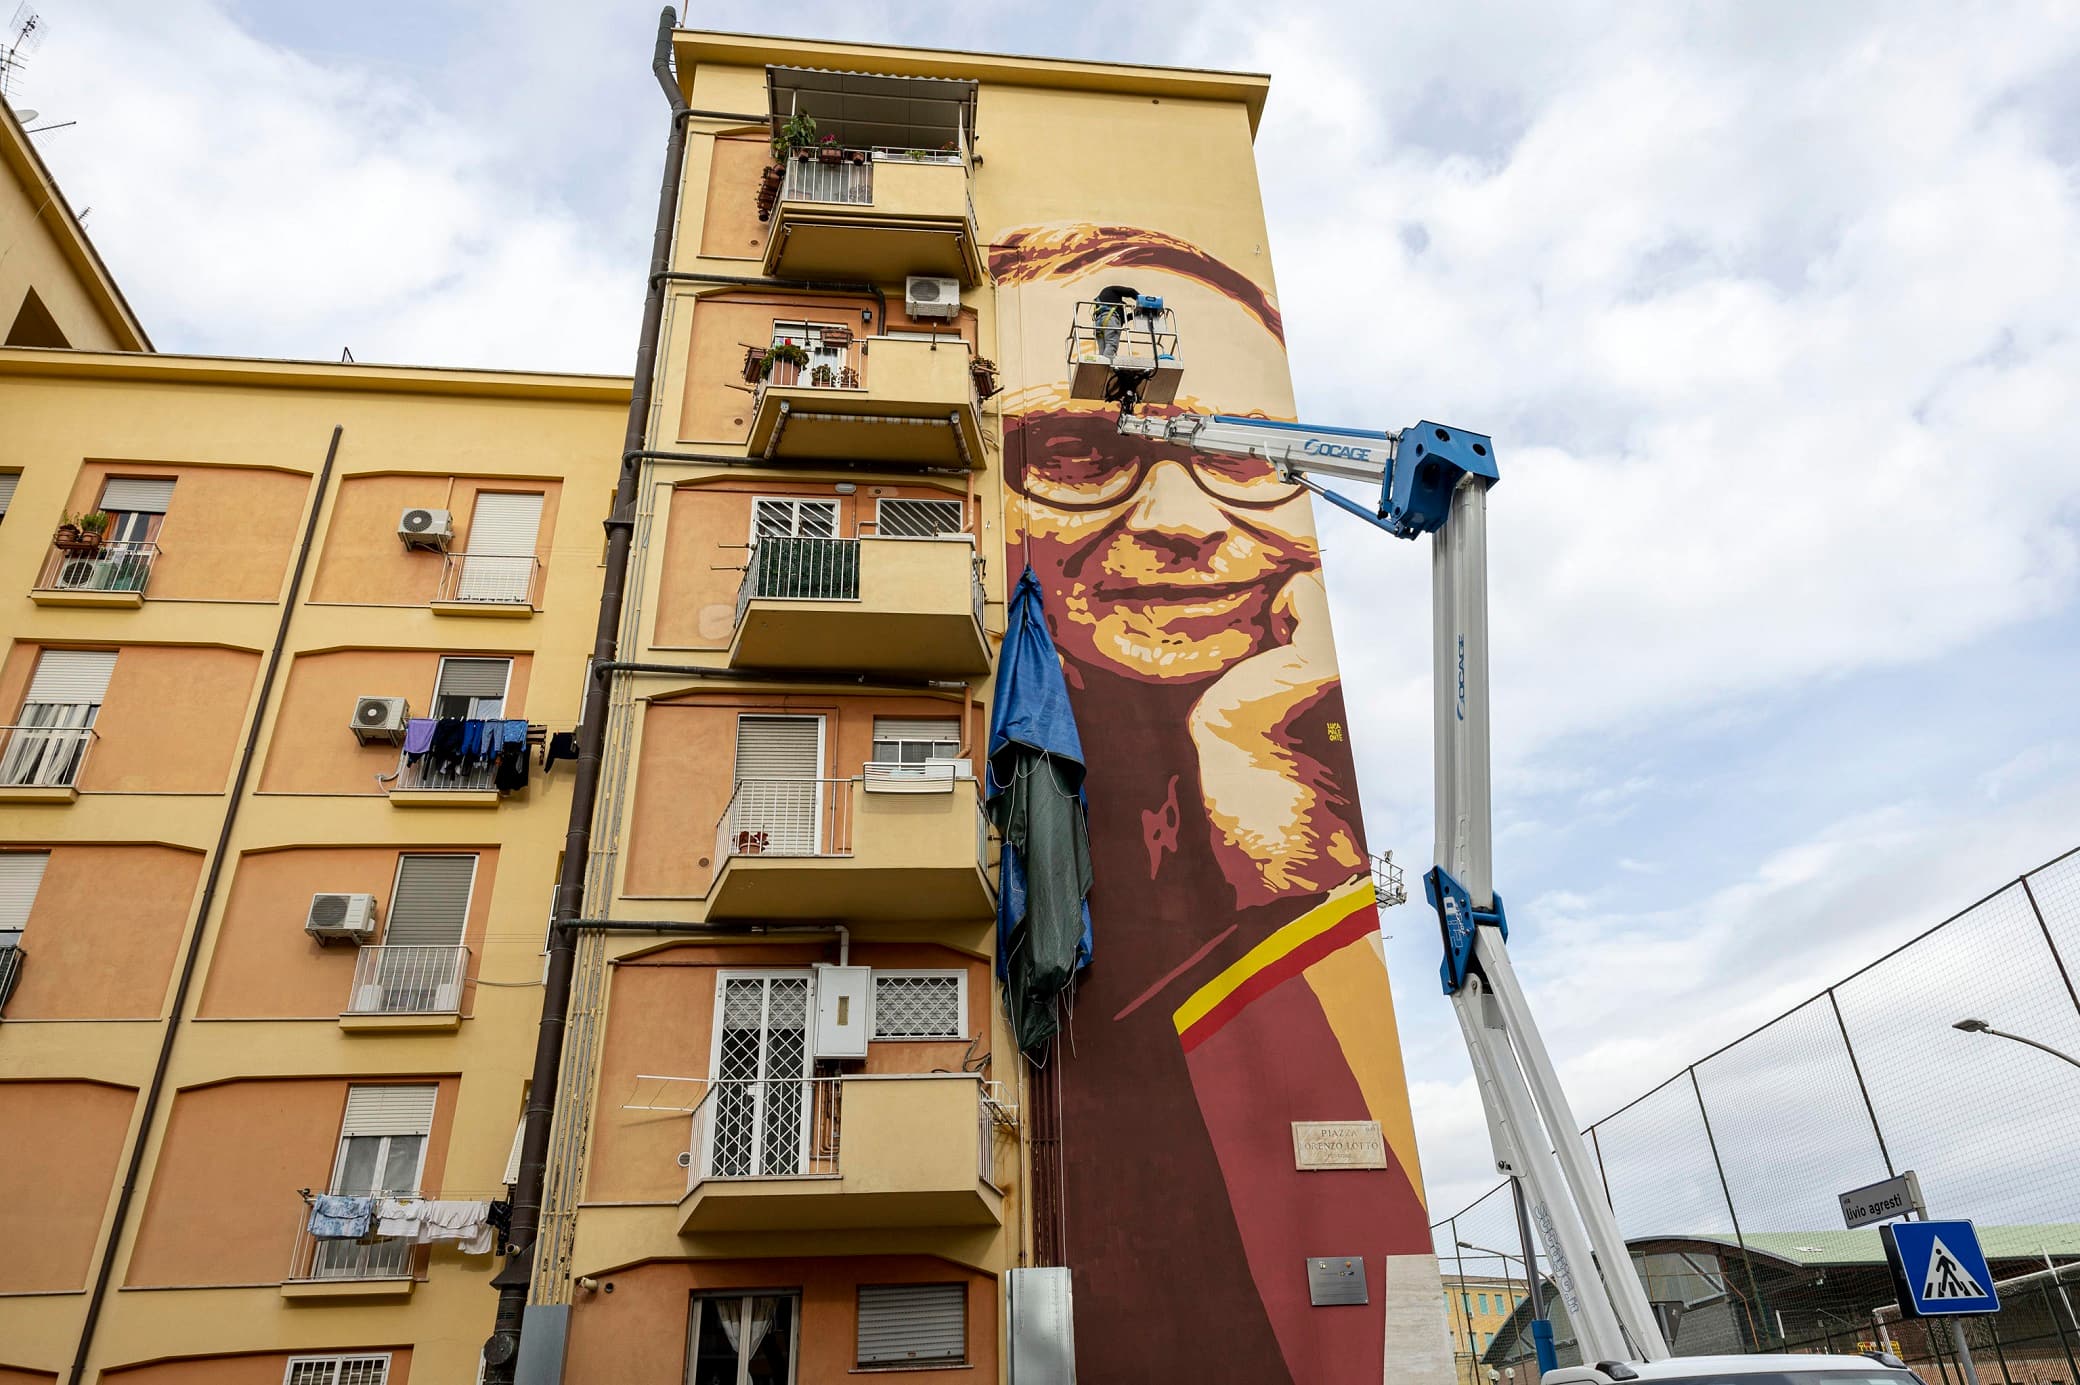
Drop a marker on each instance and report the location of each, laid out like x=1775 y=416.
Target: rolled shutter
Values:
x=21 y=873
x=72 y=676
x=431 y=902
x=8 y=479
x=504 y=524
x=137 y=494
x=778 y=747
x=912 y=1322
x=473 y=678
x=389 y=1111
x=512 y=1174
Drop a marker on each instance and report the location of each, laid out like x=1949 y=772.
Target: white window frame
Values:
x=505 y=695
x=809 y=336
x=960 y=979
x=723 y=977
x=338 y=1364
x=822 y=763
x=797 y=502
x=743 y=1297
x=877 y=741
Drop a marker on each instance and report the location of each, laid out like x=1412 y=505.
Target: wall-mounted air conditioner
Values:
x=380 y=719
x=349 y=916
x=927 y=296
x=426 y=529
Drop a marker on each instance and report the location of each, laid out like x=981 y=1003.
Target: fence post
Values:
x=1726 y=1191
x=2065 y=1343
x=2063 y=975
x=1865 y=1092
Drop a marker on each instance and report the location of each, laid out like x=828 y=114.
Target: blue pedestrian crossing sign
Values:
x=1939 y=1269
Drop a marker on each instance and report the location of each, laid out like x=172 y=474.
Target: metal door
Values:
x=758 y=1126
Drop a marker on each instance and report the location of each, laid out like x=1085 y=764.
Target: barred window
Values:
x=920 y=1005
x=337 y=1370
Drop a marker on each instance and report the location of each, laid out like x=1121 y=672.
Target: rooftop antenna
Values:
x=24 y=32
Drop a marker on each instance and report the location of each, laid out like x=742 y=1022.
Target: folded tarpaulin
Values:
x=335 y=1218
x=1036 y=802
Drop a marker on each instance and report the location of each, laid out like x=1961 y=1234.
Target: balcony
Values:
x=374 y=1266
x=488 y=584
x=419 y=786
x=42 y=764
x=890 y=400
x=853 y=850
x=873 y=1152
x=878 y=605
x=874 y=213
x=112 y=573
x=406 y=987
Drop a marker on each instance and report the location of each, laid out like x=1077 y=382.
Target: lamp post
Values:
x=1982 y=1027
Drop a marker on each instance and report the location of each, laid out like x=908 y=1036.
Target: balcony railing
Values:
x=44 y=757
x=408 y=980
x=834 y=367
x=11 y=959
x=374 y=1256
x=800 y=570
x=786 y=817
x=422 y=777
x=121 y=565
x=490 y=579
x=812 y=180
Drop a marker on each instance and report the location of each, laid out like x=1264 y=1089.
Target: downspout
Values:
x=194 y=953
x=502 y=1350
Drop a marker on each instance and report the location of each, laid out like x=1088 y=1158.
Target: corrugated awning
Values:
x=870 y=109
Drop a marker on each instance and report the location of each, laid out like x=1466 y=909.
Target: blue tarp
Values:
x=1036 y=800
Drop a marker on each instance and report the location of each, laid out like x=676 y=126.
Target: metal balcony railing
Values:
x=44 y=757
x=812 y=180
x=372 y=1257
x=11 y=959
x=408 y=980
x=767 y=1128
x=490 y=579
x=786 y=817
x=832 y=367
x=120 y=565
x=800 y=570
x=421 y=777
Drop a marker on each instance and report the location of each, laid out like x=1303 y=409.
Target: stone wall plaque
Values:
x=1338 y=1145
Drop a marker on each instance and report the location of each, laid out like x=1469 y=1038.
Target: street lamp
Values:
x=1982 y=1027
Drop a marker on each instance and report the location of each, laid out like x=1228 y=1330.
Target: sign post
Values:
x=1941 y=1272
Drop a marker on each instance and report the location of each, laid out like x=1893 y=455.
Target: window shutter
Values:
x=137 y=494
x=513 y=1159
x=21 y=872
x=7 y=485
x=72 y=676
x=473 y=678
x=431 y=902
x=917 y=519
x=778 y=747
x=912 y=1323
x=389 y=1111
x=505 y=524
x=917 y=729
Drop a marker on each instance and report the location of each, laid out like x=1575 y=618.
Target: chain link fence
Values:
x=1724 y=1178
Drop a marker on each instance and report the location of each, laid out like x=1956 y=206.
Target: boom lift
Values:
x=1429 y=479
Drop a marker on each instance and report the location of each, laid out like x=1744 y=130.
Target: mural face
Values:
x=1237 y=986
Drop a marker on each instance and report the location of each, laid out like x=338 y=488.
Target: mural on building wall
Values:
x=1238 y=985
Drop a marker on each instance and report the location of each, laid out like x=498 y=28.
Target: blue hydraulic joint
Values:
x=1457 y=919
x=1542 y=1343
x=1428 y=463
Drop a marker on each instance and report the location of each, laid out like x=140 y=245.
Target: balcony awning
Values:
x=869 y=109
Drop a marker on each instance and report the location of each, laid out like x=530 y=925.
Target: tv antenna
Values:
x=24 y=33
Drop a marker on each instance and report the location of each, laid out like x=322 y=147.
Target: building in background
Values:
x=1478 y=1306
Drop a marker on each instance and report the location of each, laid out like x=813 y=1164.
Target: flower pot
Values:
x=829 y=156
x=66 y=533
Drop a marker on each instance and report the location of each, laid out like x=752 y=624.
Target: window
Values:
x=921 y=519
x=382 y=1152
x=50 y=742
x=420 y=967
x=759 y=1104
x=1483 y=1298
x=1467 y=1300
x=777 y=809
x=337 y=1370
x=471 y=687
x=783 y=517
x=498 y=566
x=742 y=1339
x=920 y=1004
x=1487 y=1340
x=823 y=354
x=914 y=740
x=8 y=479
x=136 y=505
x=21 y=874
x=913 y=1324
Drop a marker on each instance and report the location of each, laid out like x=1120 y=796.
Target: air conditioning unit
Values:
x=77 y=573
x=380 y=718
x=426 y=529
x=349 y=916
x=925 y=296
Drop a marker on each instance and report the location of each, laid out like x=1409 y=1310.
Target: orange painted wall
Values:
x=730 y=228
x=704 y=549
x=265 y=1368
x=362 y=562
x=637 y=1334
x=9 y=1375
x=228 y=531
x=88 y=960
x=682 y=783
x=264 y=966
x=222 y=1206
x=313 y=751
x=172 y=720
x=660 y=1018
x=64 y=1140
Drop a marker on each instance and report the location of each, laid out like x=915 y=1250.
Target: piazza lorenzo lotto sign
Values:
x=1338 y=1145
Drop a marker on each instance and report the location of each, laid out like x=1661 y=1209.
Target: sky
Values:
x=1770 y=308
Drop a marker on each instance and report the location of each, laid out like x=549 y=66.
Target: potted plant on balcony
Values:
x=754 y=364
x=796 y=134
x=983 y=371
x=93 y=526
x=66 y=536
x=827 y=151
x=782 y=353
x=855 y=156
x=823 y=377
x=837 y=336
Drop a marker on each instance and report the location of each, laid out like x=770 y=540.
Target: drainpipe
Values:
x=501 y=1352
x=194 y=953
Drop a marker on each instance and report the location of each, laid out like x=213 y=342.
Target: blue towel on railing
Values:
x=340 y=1218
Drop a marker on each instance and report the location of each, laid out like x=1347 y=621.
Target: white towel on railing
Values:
x=467 y=1224
x=398 y=1217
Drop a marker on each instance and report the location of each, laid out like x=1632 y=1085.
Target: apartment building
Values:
x=1479 y=1306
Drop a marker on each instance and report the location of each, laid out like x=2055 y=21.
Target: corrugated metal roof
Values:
x=872 y=108
x=1862 y=1246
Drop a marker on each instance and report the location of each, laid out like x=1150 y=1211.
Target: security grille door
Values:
x=760 y=1122
x=382 y=1151
x=917 y=519
x=499 y=566
x=915 y=1324
x=64 y=697
x=778 y=807
x=471 y=687
x=337 y=1370
x=419 y=970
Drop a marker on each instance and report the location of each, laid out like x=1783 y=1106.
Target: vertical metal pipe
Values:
x=2065 y=1342
x=503 y=1348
